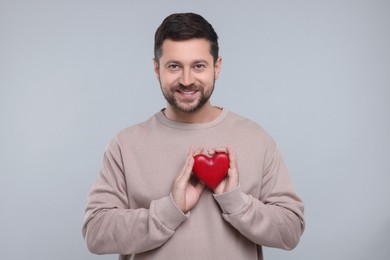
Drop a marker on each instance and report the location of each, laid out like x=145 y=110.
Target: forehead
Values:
x=186 y=50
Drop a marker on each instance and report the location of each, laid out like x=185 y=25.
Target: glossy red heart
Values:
x=211 y=170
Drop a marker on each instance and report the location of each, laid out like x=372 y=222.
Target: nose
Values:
x=186 y=78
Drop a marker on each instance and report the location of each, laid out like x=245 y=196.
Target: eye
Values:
x=199 y=66
x=173 y=67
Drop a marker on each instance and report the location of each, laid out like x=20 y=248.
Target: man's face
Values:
x=187 y=73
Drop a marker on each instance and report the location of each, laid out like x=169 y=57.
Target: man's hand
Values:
x=184 y=193
x=231 y=180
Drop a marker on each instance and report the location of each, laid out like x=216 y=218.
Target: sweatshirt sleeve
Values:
x=275 y=219
x=112 y=227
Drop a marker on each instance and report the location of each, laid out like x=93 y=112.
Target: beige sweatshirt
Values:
x=130 y=211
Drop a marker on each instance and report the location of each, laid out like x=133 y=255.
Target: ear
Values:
x=156 y=68
x=217 y=67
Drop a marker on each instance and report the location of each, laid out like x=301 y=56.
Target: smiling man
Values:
x=144 y=207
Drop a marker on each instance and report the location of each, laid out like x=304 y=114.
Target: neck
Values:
x=205 y=114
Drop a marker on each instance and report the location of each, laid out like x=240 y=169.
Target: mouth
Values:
x=187 y=92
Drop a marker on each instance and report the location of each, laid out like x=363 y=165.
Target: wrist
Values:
x=232 y=201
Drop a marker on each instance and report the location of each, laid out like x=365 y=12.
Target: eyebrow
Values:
x=194 y=62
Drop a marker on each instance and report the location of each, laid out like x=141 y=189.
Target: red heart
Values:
x=211 y=170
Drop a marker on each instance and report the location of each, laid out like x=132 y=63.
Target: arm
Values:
x=274 y=219
x=112 y=226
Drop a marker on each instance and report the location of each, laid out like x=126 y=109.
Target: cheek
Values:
x=168 y=79
x=207 y=79
x=164 y=76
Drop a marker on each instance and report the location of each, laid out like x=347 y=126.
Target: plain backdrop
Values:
x=315 y=74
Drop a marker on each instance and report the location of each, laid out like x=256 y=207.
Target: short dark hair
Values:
x=185 y=26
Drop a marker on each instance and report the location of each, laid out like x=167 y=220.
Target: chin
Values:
x=188 y=109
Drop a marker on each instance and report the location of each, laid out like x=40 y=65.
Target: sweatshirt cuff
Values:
x=233 y=201
x=168 y=213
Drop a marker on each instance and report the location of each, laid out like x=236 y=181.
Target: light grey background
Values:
x=315 y=74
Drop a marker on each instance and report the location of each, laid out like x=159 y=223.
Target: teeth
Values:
x=187 y=92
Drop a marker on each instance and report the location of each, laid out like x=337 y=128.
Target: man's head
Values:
x=185 y=26
x=186 y=64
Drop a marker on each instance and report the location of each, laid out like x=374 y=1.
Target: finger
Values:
x=191 y=151
x=199 y=150
x=232 y=157
x=187 y=163
x=188 y=168
x=183 y=168
x=221 y=150
x=190 y=158
x=212 y=151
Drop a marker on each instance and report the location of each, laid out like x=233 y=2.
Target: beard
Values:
x=190 y=104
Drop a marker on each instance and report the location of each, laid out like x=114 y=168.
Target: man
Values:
x=146 y=204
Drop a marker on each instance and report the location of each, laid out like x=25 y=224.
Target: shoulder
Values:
x=252 y=134
x=243 y=123
x=133 y=133
x=249 y=131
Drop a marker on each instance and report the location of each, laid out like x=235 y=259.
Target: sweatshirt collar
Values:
x=185 y=126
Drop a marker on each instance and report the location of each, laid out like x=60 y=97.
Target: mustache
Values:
x=191 y=87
